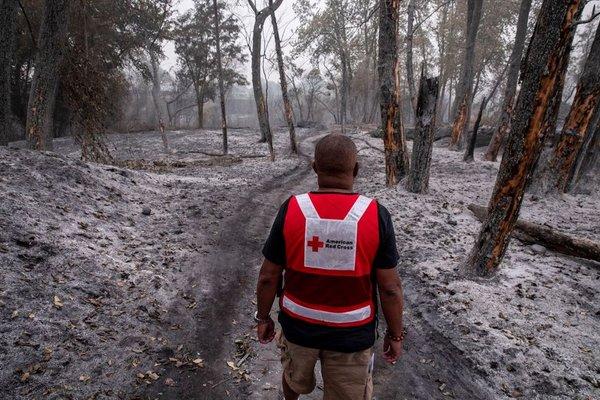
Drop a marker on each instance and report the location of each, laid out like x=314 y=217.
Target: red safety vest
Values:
x=330 y=243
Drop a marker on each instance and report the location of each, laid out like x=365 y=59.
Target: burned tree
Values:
x=8 y=16
x=219 y=61
x=511 y=83
x=410 y=79
x=418 y=179
x=587 y=159
x=465 y=88
x=543 y=72
x=287 y=105
x=468 y=157
x=259 y=98
x=396 y=153
x=158 y=101
x=44 y=85
x=578 y=124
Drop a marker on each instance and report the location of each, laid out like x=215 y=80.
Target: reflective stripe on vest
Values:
x=330 y=248
x=345 y=317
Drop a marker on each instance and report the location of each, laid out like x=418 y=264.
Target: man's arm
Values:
x=390 y=295
x=266 y=290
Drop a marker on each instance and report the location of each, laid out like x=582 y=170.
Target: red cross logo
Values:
x=315 y=243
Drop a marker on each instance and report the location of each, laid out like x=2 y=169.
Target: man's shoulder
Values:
x=283 y=207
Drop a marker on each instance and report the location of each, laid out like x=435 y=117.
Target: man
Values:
x=331 y=247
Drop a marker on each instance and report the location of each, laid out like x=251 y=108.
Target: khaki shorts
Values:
x=346 y=376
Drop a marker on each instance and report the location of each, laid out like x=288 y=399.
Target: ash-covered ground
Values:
x=137 y=280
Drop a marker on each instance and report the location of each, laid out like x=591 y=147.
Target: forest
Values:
x=147 y=145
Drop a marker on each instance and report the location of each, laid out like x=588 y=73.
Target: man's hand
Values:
x=265 y=331
x=266 y=290
x=392 y=350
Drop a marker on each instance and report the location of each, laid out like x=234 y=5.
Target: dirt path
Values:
x=230 y=270
x=430 y=368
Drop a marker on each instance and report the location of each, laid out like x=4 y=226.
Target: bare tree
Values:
x=468 y=157
x=543 y=72
x=511 y=83
x=441 y=42
x=465 y=87
x=587 y=158
x=160 y=105
x=219 y=60
x=396 y=153
x=408 y=39
x=330 y=35
x=287 y=105
x=44 y=85
x=261 y=106
x=8 y=16
x=418 y=179
x=587 y=165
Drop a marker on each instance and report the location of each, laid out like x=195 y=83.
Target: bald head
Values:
x=335 y=155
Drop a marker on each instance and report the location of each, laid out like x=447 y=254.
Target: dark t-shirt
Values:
x=347 y=340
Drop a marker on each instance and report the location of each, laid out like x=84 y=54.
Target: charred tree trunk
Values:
x=464 y=91
x=200 y=103
x=343 y=52
x=543 y=72
x=468 y=157
x=287 y=105
x=410 y=78
x=396 y=153
x=220 y=75
x=578 y=124
x=297 y=97
x=587 y=159
x=344 y=92
x=511 y=83
x=44 y=86
x=157 y=100
x=418 y=179
x=8 y=18
x=259 y=98
x=443 y=72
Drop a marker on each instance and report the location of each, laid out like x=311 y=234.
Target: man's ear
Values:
x=314 y=166
x=356 y=168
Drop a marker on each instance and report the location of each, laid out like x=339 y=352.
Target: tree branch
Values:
x=586 y=21
x=34 y=42
x=253 y=7
x=416 y=26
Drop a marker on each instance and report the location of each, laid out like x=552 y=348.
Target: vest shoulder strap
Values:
x=358 y=209
x=355 y=214
x=306 y=206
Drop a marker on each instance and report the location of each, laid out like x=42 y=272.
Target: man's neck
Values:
x=343 y=184
x=335 y=190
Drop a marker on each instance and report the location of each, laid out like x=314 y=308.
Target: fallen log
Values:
x=529 y=232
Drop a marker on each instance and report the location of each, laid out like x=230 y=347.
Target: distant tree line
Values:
x=67 y=66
